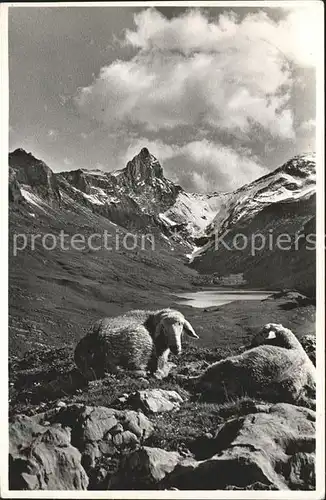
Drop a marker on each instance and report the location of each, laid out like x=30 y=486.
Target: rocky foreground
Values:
x=270 y=446
x=122 y=433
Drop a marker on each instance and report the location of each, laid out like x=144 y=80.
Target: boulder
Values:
x=145 y=468
x=55 y=449
x=98 y=431
x=155 y=400
x=42 y=458
x=236 y=467
x=274 y=448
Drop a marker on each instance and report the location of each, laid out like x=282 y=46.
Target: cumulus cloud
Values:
x=302 y=34
x=201 y=166
x=297 y=36
x=227 y=74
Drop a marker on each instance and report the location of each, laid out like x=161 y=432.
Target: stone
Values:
x=156 y=400
x=99 y=431
x=116 y=429
x=144 y=381
x=273 y=448
x=71 y=445
x=145 y=468
x=138 y=423
x=42 y=458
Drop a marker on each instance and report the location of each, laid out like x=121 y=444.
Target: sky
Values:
x=220 y=95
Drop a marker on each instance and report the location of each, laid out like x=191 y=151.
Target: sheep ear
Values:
x=188 y=329
x=271 y=335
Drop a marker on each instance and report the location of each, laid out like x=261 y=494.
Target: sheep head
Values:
x=170 y=325
x=275 y=334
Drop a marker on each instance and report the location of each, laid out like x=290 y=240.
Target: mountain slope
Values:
x=282 y=202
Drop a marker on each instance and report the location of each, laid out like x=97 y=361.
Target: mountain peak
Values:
x=21 y=159
x=144 y=166
x=34 y=174
x=303 y=166
x=20 y=152
x=144 y=153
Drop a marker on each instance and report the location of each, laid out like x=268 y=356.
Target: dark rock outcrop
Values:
x=131 y=197
x=41 y=457
x=143 y=180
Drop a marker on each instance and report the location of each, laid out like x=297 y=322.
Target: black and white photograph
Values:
x=163 y=305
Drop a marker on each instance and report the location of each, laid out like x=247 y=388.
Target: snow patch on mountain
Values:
x=197 y=211
x=93 y=199
x=166 y=220
x=32 y=199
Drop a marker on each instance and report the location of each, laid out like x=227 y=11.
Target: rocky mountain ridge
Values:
x=140 y=198
x=142 y=180
x=136 y=197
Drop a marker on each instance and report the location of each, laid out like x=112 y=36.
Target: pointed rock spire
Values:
x=144 y=166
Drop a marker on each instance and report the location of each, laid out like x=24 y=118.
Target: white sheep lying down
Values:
x=277 y=369
x=139 y=340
